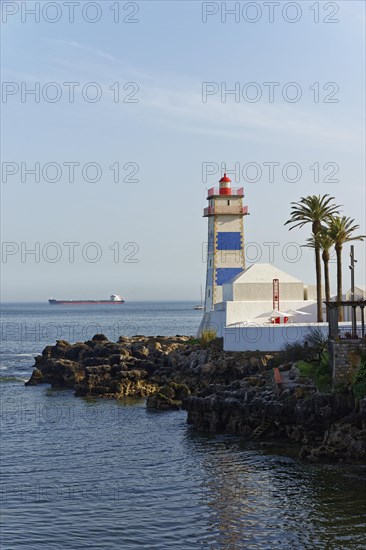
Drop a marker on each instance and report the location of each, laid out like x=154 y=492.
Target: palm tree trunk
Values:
x=338 y=249
x=318 y=270
x=326 y=258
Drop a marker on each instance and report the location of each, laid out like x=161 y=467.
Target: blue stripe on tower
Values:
x=224 y=274
x=229 y=241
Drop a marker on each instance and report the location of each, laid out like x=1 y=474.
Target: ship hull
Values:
x=84 y=302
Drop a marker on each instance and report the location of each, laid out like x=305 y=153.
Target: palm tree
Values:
x=316 y=210
x=341 y=230
x=325 y=242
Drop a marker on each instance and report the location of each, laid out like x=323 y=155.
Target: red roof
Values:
x=225 y=179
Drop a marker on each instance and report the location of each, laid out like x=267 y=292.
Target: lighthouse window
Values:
x=209 y=293
x=228 y=203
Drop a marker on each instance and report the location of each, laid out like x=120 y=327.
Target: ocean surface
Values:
x=100 y=474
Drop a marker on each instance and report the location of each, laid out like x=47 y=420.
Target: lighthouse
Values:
x=225 y=252
x=241 y=302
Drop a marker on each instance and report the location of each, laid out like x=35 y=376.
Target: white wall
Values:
x=228 y=223
x=267 y=338
x=264 y=291
x=214 y=320
x=310 y=292
x=226 y=258
x=347 y=313
x=233 y=313
x=359 y=294
x=238 y=312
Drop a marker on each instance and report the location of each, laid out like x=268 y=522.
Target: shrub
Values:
x=291 y=353
x=319 y=373
x=207 y=336
x=307 y=370
x=323 y=373
x=359 y=381
x=316 y=341
x=193 y=341
x=323 y=382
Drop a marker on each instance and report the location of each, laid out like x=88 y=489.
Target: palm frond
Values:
x=312 y=209
x=341 y=229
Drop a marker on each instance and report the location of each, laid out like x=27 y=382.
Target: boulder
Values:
x=100 y=338
x=161 y=402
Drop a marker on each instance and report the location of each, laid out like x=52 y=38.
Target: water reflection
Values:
x=257 y=499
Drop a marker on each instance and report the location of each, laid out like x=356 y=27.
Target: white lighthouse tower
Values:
x=225 y=254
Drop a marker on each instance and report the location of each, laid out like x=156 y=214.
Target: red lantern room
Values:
x=225 y=185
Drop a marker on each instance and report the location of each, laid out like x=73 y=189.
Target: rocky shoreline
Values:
x=223 y=392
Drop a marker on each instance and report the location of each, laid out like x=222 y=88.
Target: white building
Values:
x=248 y=307
x=360 y=294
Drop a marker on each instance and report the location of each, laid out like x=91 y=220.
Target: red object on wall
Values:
x=276 y=294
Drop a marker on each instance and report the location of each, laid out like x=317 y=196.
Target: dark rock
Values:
x=294 y=373
x=60 y=373
x=139 y=351
x=94 y=361
x=99 y=338
x=76 y=351
x=221 y=392
x=35 y=379
x=161 y=402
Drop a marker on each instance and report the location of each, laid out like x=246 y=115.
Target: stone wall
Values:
x=345 y=357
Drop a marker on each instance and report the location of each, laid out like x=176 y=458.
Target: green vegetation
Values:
x=359 y=381
x=310 y=357
x=341 y=229
x=317 y=342
x=316 y=211
x=319 y=372
x=328 y=229
x=193 y=341
x=207 y=336
x=307 y=370
x=289 y=354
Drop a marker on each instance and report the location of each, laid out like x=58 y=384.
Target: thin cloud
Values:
x=78 y=45
x=180 y=104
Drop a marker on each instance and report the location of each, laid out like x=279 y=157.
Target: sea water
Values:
x=105 y=474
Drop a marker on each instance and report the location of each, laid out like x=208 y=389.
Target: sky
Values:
x=132 y=120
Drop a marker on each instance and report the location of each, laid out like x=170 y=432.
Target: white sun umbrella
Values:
x=296 y=312
x=275 y=313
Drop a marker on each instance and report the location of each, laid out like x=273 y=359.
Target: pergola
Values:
x=333 y=315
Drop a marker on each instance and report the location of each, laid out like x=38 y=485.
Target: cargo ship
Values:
x=114 y=299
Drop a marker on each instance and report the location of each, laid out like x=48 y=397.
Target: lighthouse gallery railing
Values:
x=237 y=191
